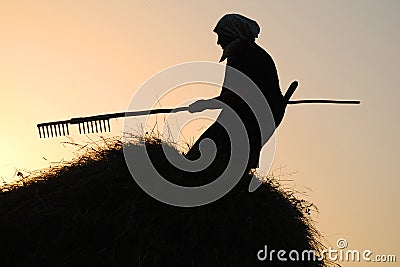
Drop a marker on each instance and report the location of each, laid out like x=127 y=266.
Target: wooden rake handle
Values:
x=293 y=87
x=94 y=124
x=101 y=123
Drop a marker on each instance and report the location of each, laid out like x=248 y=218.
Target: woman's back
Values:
x=258 y=65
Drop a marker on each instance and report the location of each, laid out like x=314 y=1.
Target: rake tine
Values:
x=79 y=126
x=83 y=127
x=95 y=123
x=105 y=126
x=66 y=126
x=109 y=127
x=101 y=127
x=40 y=134
x=59 y=129
x=91 y=124
x=51 y=130
x=63 y=129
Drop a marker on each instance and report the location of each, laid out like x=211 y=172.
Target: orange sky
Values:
x=62 y=59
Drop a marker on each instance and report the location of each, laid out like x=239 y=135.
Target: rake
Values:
x=101 y=123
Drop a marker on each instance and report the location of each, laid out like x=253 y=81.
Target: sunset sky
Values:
x=63 y=59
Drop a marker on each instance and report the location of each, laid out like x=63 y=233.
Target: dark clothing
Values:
x=257 y=64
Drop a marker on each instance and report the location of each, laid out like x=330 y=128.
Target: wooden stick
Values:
x=323 y=101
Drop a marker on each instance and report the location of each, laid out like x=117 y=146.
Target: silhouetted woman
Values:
x=236 y=36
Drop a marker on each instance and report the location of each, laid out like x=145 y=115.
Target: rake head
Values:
x=61 y=128
x=97 y=126
x=52 y=129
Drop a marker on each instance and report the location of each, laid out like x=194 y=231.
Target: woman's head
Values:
x=234 y=26
x=232 y=29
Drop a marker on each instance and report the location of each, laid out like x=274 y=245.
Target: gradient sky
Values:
x=62 y=59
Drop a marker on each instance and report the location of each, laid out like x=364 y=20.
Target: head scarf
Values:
x=240 y=28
